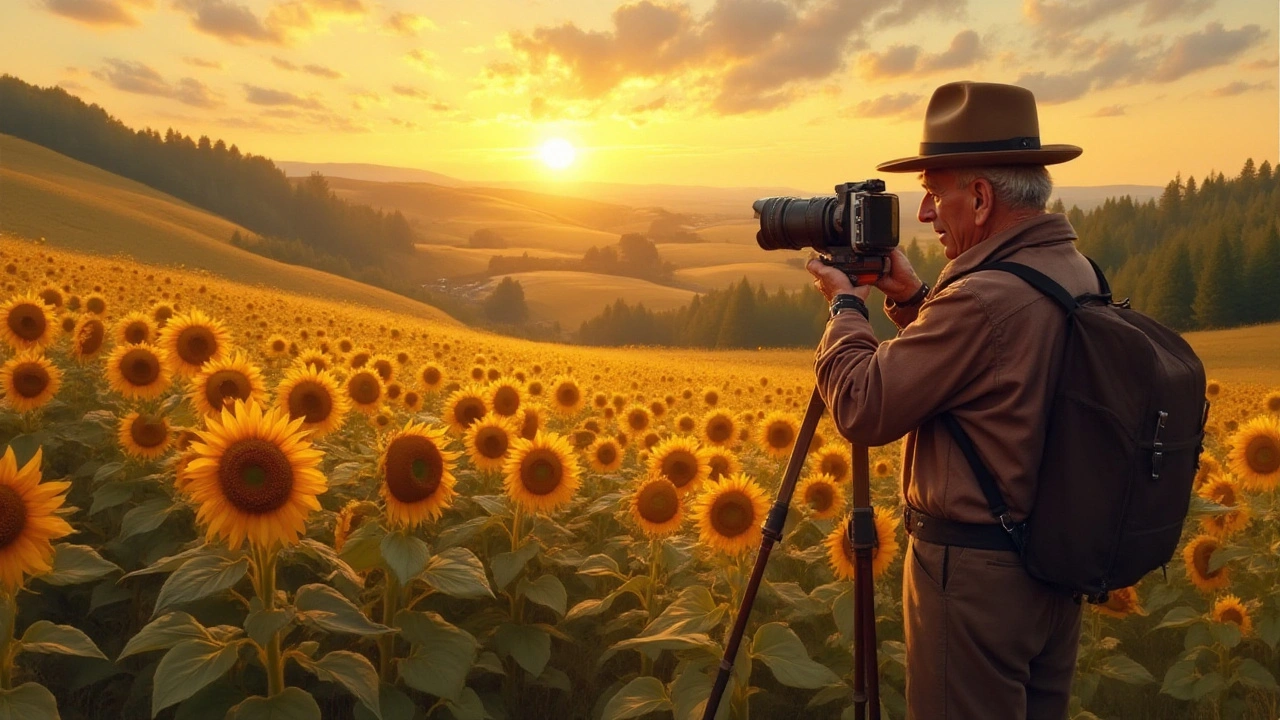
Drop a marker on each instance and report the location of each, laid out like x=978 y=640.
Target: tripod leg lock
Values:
x=774 y=522
x=862 y=529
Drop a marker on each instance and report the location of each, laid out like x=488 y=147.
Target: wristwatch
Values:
x=845 y=301
x=916 y=298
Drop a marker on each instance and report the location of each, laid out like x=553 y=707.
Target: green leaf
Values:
x=460 y=534
x=199 y=578
x=106 y=471
x=1251 y=673
x=28 y=701
x=600 y=566
x=1210 y=684
x=260 y=625
x=45 y=637
x=74 y=564
x=636 y=586
x=641 y=696
x=895 y=651
x=329 y=558
x=1180 y=679
x=289 y=704
x=670 y=639
x=693 y=611
x=1180 y=617
x=1269 y=630
x=777 y=646
x=547 y=591
x=1124 y=669
x=442 y=654
x=327 y=608
x=457 y=572
x=186 y=668
x=506 y=566
x=163 y=633
x=351 y=670
x=395 y=705
x=842 y=612
x=1227 y=633
x=144 y=518
x=468 y=706
x=529 y=645
x=690 y=690
x=170 y=563
x=363 y=547
x=405 y=554
x=1222 y=556
x=111 y=495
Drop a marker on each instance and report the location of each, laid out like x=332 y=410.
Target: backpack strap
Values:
x=1039 y=281
x=987 y=481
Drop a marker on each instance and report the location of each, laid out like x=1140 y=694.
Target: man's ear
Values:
x=983 y=199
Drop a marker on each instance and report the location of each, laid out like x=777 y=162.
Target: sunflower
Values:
x=636 y=418
x=1223 y=491
x=1229 y=609
x=823 y=495
x=657 y=508
x=835 y=462
x=542 y=473
x=1121 y=603
x=394 y=391
x=711 y=396
x=350 y=518
x=312 y=395
x=364 y=388
x=686 y=423
x=417 y=474
x=413 y=401
x=29 y=519
x=1271 y=403
x=1208 y=467
x=314 y=358
x=51 y=296
x=135 y=328
x=604 y=455
x=488 y=440
x=29 y=381
x=95 y=304
x=193 y=339
x=566 y=396
x=729 y=514
x=144 y=436
x=1255 y=453
x=255 y=477
x=27 y=323
x=882 y=468
x=221 y=382
x=530 y=420
x=87 y=337
x=778 y=432
x=719 y=429
x=463 y=407
x=840 y=551
x=359 y=359
x=681 y=461
x=384 y=366
x=505 y=398
x=1212 y=389
x=431 y=376
x=1197 y=555
x=723 y=463
x=161 y=313
x=277 y=347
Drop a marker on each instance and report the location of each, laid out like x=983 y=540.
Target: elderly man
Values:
x=984 y=639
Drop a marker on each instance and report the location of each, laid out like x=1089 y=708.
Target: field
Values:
x=570 y=297
x=352 y=511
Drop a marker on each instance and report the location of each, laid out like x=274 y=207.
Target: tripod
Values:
x=862 y=535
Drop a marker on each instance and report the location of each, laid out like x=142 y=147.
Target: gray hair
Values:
x=1020 y=187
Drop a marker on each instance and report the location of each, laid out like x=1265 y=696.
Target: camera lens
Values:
x=788 y=223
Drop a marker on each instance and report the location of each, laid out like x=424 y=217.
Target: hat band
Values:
x=947 y=148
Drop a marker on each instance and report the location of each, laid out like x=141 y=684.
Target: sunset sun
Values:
x=557 y=153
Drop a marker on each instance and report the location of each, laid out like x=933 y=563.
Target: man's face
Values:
x=950 y=209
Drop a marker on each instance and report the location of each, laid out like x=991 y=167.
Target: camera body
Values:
x=854 y=230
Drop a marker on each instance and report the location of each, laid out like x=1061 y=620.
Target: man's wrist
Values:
x=915 y=299
x=847 y=301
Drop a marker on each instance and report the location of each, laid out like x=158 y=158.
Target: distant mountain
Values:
x=368 y=172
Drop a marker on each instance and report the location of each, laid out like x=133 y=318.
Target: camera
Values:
x=855 y=230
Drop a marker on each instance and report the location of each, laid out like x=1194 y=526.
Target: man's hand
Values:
x=901 y=282
x=832 y=281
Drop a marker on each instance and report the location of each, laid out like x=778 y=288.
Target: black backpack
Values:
x=1123 y=443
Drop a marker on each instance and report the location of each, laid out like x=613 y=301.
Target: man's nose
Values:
x=927 y=210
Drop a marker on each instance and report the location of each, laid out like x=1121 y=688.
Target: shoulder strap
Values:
x=1039 y=281
x=990 y=489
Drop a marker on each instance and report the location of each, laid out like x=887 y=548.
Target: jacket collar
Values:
x=1045 y=229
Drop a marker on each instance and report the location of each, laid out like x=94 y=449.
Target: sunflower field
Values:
x=219 y=501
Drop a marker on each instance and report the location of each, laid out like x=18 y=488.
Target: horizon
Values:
x=730 y=93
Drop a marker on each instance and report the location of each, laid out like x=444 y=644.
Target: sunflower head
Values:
x=822 y=495
x=29 y=520
x=463 y=407
x=719 y=429
x=417 y=474
x=566 y=396
x=1229 y=609
x=193 y=339
x=1255 y=453
x=1121 y=603
x=1271 y=403
x=221 y=382
x=255 y=477
x=657 y=507
x=541 y=475
x=27 y=323
x=505 y=398
x=840 y=552
x=88 y=337
x=723 y=463
x=135 y=328
x=778 y=433
x=365 y=390
x=530 y=420
x=1197 y=555
x=636 y=419
x=488 y=441
x=349 y=519
x=144 y=435
x=29 y=381
x=729 y=515
x=681 y=461
x=604 y=455
x=384 y=366
x=835 y=462
x=1223 y=491
x=312 y=396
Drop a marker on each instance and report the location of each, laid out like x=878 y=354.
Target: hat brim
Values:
x=1046 y=155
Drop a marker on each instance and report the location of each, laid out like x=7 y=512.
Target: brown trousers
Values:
x=984 y=640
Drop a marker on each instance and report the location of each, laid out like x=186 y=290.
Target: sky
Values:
x=763 y=93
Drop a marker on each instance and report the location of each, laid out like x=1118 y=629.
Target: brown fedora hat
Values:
x=971 y=124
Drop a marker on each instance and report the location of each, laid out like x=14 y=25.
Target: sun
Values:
x=557 y=153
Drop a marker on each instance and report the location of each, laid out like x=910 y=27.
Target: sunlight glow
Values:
x=557 y=153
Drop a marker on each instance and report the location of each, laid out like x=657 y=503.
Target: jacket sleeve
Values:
x=902 y=317
x=878 y=392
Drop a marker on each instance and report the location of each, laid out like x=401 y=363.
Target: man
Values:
x=984 y=639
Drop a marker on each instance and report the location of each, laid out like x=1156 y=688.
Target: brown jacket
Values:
x=985 y=348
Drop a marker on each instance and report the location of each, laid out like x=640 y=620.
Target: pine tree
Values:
x=738 y=318
x=507 y=304
x=1214 y=303
x=1262 y=296
x=1172 y=290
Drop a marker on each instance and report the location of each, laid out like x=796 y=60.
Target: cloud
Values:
x=1108 y=111
x=1197 y=51
x=317 y=70
x=739 y=56
x=423 y=60
x=136 y=77
x=365 y=98
x=276 y=98
x=965 y=50
x=1240 y=87
x=420 y=95
x=895 y=105
x=99 y=13
x=307 y=17
x=1262 y=64
x=285 y=22
x=201 y=62
x=408 y=24
x=1068 y=16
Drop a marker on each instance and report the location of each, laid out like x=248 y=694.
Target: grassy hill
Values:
x=571 y=297
x=80 y=207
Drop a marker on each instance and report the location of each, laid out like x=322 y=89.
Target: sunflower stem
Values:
x=9 y=608
x=387 y=642
x=265 y=560
x=655 y=558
